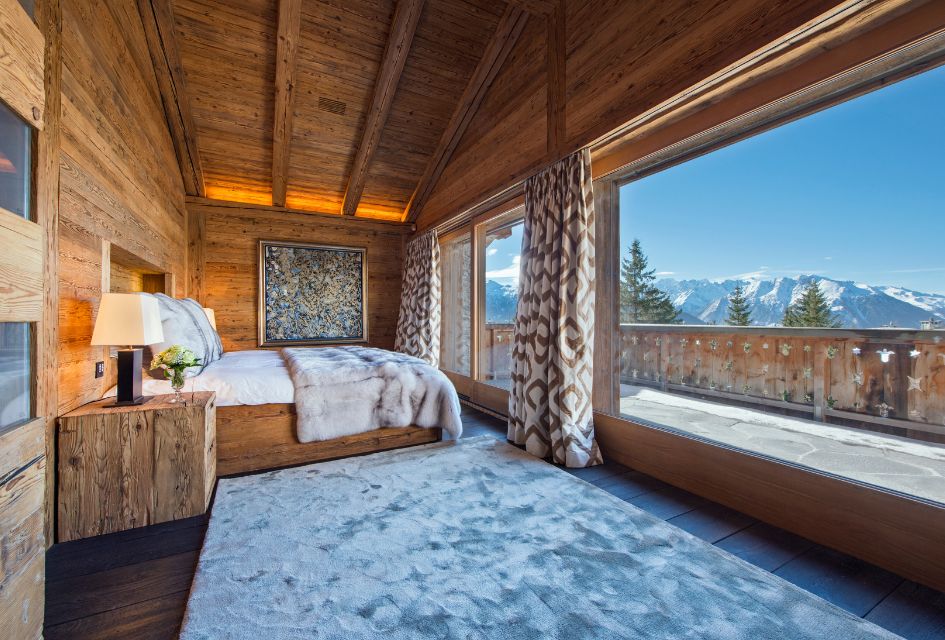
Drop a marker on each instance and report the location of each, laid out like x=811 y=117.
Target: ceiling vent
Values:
x=331 y=106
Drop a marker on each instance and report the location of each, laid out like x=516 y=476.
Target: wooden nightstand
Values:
x=125 y=467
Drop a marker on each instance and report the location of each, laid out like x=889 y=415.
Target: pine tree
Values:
x=640 y=300
x=810 y=310
x=739 y=310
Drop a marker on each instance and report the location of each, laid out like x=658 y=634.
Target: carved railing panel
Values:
x=886 y=376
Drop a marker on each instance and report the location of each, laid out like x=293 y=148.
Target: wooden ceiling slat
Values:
x=229 y=54
x=538 y=7
x=290 y=19
x=506 y=34
x=451 y=37
x=557 y=64
x=406 y=17
x=157 y=16
x=234 y=63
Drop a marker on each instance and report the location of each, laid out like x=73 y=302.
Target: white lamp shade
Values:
x=211 y=317
x=127 y=319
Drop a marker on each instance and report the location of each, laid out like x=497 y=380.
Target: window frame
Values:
x=443 y=240
x=507 y=211
x=895 y=531
x=33 y=336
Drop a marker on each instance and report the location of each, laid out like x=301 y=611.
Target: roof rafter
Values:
x=290 y=19
x=157 y=17
x=403 y=27
x=497 y=50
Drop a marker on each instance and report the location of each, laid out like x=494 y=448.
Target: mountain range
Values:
x=856 y=305
x=500 y=303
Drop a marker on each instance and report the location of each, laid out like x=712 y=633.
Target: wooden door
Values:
x=22 y=251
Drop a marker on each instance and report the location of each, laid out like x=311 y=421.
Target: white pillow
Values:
x=185 y=323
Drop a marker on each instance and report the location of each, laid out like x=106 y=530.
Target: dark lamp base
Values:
x=129 y=403
x=129 y=377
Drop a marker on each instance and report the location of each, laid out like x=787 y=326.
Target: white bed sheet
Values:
x=252 y=377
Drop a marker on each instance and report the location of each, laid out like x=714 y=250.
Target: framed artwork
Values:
x=311 y=294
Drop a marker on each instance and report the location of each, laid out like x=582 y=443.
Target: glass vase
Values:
x=177 y=384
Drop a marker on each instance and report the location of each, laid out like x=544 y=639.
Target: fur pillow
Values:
x=185 y=323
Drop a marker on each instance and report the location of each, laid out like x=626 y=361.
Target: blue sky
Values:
x=855 y=192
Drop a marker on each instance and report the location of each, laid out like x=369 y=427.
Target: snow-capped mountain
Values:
x=855 y=304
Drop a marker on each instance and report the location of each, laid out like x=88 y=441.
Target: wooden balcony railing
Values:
x=890 y=380
x=496 y=346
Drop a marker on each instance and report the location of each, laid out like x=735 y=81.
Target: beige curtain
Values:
x=418 y=326
x=553 y=350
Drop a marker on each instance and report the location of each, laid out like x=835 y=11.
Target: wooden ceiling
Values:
x=336 y=106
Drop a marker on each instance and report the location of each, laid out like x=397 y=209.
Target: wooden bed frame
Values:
x=258 y=437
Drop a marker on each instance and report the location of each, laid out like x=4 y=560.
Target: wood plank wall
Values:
x=621 y=59
x=224 y=268
x=120 y=182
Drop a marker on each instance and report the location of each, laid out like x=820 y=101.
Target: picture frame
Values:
x=311 y=294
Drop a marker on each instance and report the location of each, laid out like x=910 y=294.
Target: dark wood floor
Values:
x=134 y=584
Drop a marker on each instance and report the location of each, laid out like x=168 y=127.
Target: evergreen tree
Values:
x=810 y=310
x=739 y=310
x=640 y=300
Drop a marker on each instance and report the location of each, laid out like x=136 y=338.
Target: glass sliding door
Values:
x=501 y=260
x=456 y=311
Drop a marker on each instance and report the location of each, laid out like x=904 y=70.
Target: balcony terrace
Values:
x=868 y=405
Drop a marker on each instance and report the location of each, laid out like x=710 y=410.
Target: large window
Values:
x=15 y=350
x=15 y=163
x=502 y=246
x=786 y=294
x=456 y=287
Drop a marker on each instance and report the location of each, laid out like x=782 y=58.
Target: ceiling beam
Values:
x=290 y=19
x=503 y=40
x=157 y=17
x=406 y=17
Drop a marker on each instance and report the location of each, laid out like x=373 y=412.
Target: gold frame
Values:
x=261 y=295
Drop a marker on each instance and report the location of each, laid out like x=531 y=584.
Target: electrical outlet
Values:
x=99 y=369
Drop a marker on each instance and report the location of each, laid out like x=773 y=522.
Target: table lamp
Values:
x=127 y=320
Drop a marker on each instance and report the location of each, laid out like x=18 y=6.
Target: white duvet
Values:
x=342 y=391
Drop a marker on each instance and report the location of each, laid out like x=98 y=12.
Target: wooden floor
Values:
x=134 y=584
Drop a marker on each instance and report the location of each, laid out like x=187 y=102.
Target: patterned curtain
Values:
x=553 y=350
x=418 y=327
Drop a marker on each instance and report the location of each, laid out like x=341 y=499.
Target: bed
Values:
x=278 y=408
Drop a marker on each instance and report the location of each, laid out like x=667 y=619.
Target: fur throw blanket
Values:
x=341 y=391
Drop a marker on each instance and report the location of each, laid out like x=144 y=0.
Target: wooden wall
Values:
x=224 y=267
x=622 y=58
x=120 y=186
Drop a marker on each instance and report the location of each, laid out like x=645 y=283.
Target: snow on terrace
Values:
x=908 y=466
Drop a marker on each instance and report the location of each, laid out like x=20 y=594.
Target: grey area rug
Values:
x=473 y=539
